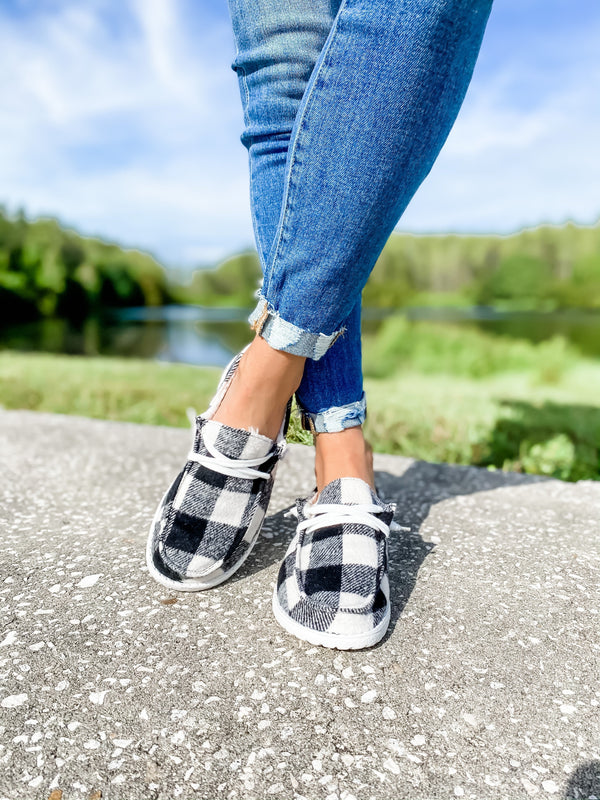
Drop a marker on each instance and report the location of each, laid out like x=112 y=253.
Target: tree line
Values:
x=46 y=270
x=541 y=268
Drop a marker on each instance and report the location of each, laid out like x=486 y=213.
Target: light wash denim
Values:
x=347 y=104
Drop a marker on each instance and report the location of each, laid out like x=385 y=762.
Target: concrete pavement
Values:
x=486 y=686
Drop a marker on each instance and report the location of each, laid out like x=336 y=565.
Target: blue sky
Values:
x=122 y=118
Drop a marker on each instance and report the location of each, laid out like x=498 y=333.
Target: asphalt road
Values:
x=486 y=686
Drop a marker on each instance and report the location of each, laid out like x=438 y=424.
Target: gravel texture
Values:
x=486 y=686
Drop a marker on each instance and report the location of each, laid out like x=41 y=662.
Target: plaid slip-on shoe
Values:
x=210 y=517
x=333 y=587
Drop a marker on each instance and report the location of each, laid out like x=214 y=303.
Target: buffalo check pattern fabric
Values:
x=210 y=518
x=333 y=586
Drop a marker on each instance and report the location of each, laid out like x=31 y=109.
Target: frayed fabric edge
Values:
x=334 y=419
x=284 y=335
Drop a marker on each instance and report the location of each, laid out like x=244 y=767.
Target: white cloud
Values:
x=136 y=138
x=134 y=135
x=508 y=164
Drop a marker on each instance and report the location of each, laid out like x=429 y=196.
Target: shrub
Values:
x=441 y=348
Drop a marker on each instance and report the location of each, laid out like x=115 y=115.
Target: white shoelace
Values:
x=235 y=467
x=324 y=515
x=394 y=526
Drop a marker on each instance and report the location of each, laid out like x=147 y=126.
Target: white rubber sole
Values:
x=334 y=641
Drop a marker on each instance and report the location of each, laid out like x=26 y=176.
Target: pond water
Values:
x=210 y=336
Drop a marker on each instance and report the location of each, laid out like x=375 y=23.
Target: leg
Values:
x=379 y=105
x=278 y=43
x=327 y=188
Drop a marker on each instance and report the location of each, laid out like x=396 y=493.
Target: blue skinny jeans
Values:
x=347 y=104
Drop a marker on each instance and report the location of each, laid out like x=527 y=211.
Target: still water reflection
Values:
x=206 y=336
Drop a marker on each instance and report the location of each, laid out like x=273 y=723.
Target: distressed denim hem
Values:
x=284 y=335
x=334 y=419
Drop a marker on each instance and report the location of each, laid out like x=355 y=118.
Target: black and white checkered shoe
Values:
x=333 y=587
x=210 y=518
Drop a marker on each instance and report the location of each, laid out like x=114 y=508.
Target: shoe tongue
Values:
x=231 y=442
x=350 y=491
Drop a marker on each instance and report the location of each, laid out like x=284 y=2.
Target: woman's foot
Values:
x=210 y=518
x=333 y=586
x=345 y=454
x=261 y=388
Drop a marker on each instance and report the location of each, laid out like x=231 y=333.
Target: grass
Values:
x=154 y=393
x=507 y=421
x=125 y=390
x=462 y=397
x=463 y=351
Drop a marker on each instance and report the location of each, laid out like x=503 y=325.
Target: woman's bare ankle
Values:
x=345 y=454
x=260 y=389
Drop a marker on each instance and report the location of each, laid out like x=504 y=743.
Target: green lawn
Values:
x=506 y=421
x=513 y=419
x=151 y=392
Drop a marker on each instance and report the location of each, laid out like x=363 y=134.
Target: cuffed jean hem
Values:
x=334 y=419
x=284 y=335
